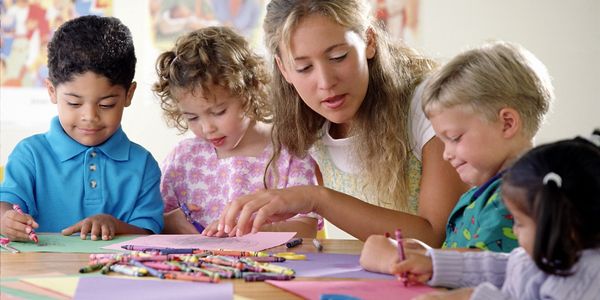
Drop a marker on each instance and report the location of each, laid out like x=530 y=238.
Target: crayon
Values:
x=263 y=277
x=268 y=259
x=91 y=268
x=401 y=255
x=152 y=271
x=32 y=235
x=190 y=277
x=188 y=216
x=293 y=242
x=318 y=245
x=4 y=243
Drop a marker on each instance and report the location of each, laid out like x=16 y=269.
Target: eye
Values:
x=107 y=106
x=191 y=118
x=220 y=112
x=339 y=58
x=303 y=69
x=456 y=139
x=73 y=104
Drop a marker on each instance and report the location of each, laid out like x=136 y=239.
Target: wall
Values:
x=565 y=35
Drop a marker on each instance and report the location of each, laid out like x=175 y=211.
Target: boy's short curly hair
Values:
x=102 y=45
x=214 y=55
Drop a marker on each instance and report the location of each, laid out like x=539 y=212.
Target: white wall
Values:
x=565 y=35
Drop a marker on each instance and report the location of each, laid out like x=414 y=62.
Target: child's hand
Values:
x=417 y=266
x=458 y=294
x=16 y=226
x=176 y=223
x=379 y=254
x=99 y=225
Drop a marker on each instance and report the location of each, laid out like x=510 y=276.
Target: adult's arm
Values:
x=440 y=188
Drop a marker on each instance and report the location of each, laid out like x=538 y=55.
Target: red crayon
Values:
x=32 y=235
x=401 y=254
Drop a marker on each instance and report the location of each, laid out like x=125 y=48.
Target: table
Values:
x=31 y=263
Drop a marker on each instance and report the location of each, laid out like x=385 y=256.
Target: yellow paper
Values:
x=63 y=285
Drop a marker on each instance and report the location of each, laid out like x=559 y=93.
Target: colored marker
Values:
x=317 y=245
x=401 y=255
x=293 y=242
x=32 y=235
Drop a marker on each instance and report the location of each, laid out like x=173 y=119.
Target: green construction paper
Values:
x=55 y=242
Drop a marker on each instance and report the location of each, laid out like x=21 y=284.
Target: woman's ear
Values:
x=511 y=122
x=371 y=43
x=282 y=69
x=51 y=90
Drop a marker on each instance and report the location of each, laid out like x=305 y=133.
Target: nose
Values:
x=326 y=77
x=207 y=126
x=89 y=113
x=448 y=153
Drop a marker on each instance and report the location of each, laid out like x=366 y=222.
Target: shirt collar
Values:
x=116 y=147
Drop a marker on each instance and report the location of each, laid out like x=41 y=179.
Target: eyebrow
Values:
x=79 y=96
x=329 y=49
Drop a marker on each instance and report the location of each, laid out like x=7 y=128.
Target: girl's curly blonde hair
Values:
x=212 y=56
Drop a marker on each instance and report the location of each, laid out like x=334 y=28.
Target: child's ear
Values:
x=282 y=69
x=511 y=122
x=51 y=90
x=130 y=93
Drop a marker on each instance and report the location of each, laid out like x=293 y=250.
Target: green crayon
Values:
x=91 y=268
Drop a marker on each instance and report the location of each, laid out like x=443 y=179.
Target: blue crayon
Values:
x=293 y=242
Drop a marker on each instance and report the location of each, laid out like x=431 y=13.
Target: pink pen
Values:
x=32 y=235
x=401 y=255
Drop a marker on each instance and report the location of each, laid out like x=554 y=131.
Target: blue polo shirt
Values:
x=60 y=182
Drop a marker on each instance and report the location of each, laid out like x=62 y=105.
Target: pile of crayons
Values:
x=191 y=264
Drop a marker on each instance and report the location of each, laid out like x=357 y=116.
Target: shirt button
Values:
x=93 y=154
x=93 y=184
x=92 y=167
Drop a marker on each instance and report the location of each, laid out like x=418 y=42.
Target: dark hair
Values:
x=102 y=45
x=566 y=208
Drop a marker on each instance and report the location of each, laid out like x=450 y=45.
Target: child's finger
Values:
x=86 y=227
x=71 y=229
x=105 y=231
x=96 y=231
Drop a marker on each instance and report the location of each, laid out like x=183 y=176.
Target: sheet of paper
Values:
x=250 y=242
x=331 y=265
x=32 y=289
x=53 y=242
x=364 y=290
x=64 y=285
x=102 y=288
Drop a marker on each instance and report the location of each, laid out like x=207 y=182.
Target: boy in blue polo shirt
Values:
x=84 y=175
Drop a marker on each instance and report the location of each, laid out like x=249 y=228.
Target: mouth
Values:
x=217 y=142
x=89 y=131
x=334 y=102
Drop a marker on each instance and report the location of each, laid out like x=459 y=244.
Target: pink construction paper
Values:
x=365 y=290
x=250 y=242
x=105 y=287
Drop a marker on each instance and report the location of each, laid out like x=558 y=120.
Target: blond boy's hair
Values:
x=489 y=78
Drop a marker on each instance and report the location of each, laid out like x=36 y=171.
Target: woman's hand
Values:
x=248 y=213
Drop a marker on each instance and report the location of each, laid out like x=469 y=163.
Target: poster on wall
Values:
x=400 y=18
x=27 y=27
x=173 y=18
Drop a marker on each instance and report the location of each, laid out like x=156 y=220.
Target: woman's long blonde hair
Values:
x=381 y=123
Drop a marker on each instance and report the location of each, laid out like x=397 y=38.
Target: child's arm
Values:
x=104 y=226
x=15 y=226
x=176 y=223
